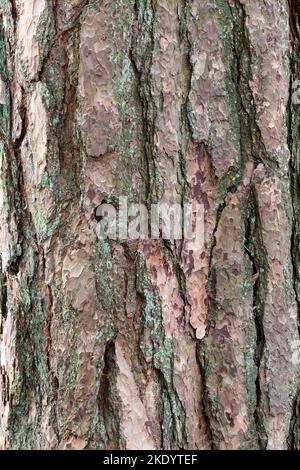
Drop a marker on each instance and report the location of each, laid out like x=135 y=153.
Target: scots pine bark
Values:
x=149 y=344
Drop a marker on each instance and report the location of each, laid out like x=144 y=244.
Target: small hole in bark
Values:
x=97 y=217
x=232 y=189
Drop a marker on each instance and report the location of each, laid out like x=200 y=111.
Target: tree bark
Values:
x=149 y=344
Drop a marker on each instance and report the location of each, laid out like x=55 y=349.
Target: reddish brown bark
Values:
x=149 y=344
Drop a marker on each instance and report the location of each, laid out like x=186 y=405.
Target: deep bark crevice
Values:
x=141 y=58
x=106 y=396
x=293 y=127
x=254 y=250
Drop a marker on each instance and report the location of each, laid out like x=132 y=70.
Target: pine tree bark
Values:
x=149 y=345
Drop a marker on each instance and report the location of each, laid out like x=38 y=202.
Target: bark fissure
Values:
x=255 y=251
x=293 y=137
x=141 y=65
x=248 y=121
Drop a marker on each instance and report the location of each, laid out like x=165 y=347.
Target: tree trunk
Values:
x=149 y=344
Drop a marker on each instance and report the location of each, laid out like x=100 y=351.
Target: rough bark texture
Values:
x=149 y=345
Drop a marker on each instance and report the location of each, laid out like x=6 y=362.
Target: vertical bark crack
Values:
x=141 y=62
x=293 y=123
x=255 y=251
